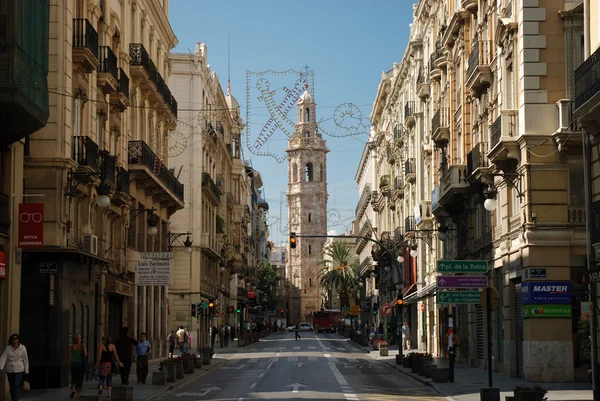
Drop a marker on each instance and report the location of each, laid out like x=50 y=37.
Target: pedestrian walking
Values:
x=142 y=352
x=15 y=363
x=221 y=335
x=316 y=330
x=181 y=339
x=106 y=361
x=406 y=343
x=78 y=363
x=124 y=345
x=172 y=340
x=227 y=333
x=297 y=332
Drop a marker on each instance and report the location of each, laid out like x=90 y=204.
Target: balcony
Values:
x=477 y=164
x=210 y=188
x=150 y=171
x=410 y=172
x=422 y=85
x=504 y=135
x=409 y=225
x=143 y=68
x=479 y=72
x=390 y=154
x=398 y=188
x=576 y=216
x=85 y=45
x=409 y=114
x=469 y=5
x=398 y=136
x=121 y=196
x=108 y=71
x=4 y=214
x=210 y=245
x=108 y=167
x=86 y=155
x=587 y=90
x=440 y=126
x=423 y=214
x=453 y=185
x=120 y=97
x=450 y=34
x=434 y=71
x=363 y=201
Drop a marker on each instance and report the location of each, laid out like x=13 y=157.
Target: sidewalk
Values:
x=469 y=380
x=141 y=392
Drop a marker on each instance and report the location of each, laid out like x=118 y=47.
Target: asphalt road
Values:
x=314 y=368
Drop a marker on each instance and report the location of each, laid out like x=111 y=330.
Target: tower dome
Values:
x=306 y=98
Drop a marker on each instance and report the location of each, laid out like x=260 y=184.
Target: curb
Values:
x=186 y=379
x=416 y=378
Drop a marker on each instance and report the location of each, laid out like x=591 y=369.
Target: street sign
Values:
x=458 y=297
x=462 y=281
x=153 y=272
x=49 y=267
x=250 y=294
x=355 y=309
x=590 y=276
x=386 y=309
x=204 y=305
x=494 y=299
x=462 y=266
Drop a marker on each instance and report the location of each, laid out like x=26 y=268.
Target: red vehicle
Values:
x=324 y=321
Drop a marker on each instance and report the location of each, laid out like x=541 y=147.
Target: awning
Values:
x=426 y=292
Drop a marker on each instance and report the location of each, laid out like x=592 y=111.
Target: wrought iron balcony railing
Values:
x=123 y=180
x=85 y=151
x=123 y=83
x=85 y=36
x=108 y=166
x=141 y=153
x=108 y=62
x=409 y=224
x=587 y=79
x=409 y=109
x=409 y=167
x=207 y=181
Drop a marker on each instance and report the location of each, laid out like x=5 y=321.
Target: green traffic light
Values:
x=239 y=311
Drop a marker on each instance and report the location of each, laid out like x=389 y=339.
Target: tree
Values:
x=341 y=271
x=267 y=281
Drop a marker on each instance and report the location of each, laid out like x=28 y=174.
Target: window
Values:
x=77 y=117
x=309 y=172
x=310 y=282
x=310 y=249
x=509 y=101
x=307 y=115
x=309 y=217
x=515 y=202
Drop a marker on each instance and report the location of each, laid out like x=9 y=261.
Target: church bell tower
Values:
x=307 y=210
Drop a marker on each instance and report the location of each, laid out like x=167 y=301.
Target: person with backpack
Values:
x=182 y=339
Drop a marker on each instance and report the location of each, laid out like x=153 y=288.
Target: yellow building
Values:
x=100 y=169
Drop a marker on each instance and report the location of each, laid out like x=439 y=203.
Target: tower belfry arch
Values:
x=307 y=209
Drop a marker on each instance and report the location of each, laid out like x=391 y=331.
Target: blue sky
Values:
x=348 y=44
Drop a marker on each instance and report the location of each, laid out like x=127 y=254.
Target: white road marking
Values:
x=313 y=359
x=327 y=356
x=353 y=360
x=262 y=374
x=277 y=355
x=297 y=347
x=292 y=359
x=338 y=376
x=341 y=348
x=253 y=385
x=253 y=360
x=269 y=365
x=312 y=347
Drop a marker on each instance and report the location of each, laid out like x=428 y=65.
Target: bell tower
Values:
x=307 y=210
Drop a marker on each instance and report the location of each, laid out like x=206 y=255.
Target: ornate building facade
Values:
x=307 y=210
x=485 y=178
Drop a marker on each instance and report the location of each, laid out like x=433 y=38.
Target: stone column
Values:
x=150 y=311
x=142 y=307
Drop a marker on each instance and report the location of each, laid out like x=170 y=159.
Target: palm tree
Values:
x=340 y=272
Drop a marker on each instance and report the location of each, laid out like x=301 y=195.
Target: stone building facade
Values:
x=478 y=112
x=100 y=169
x=307 y=210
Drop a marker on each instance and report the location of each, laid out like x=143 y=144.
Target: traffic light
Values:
x=211 y=305
x=282 y=311
x=400 y=302
x=239 y=308
x=193 y=312
x=375 y=308
x=230 y=309
x=374 y=312
x=305 y=290
x=293 y=242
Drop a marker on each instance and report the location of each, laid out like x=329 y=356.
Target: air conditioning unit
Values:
x=90 y=244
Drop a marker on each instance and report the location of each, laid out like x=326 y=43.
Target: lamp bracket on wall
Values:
x=75 y=178
x=515 y=180
x=133 y=213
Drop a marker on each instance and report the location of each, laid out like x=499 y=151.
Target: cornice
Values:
x=162 y=22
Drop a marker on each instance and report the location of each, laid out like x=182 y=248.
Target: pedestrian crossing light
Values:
x=374 y=312
x=293 y=240
x=193 y=312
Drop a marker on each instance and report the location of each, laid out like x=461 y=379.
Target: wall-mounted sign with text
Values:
x=546 y=292
x=538 y=311
x=31 y=225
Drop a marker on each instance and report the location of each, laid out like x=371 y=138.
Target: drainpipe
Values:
x=586 y=29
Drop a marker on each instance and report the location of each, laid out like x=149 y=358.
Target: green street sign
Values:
x=204 y=305
x=458 y=297
x=541 y=311
x=462 y=266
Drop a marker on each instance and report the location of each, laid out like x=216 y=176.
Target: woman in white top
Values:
x=16 y=365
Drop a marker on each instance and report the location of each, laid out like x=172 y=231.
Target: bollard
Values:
x=489 y=394
x=122 y=393
x=159 y=378
x=179 y=369
x=169 y=368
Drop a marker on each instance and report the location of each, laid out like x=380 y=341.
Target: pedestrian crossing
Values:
x=346 y=362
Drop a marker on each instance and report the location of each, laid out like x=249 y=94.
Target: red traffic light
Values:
x=283 y=310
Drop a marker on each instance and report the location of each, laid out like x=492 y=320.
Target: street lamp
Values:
x=103 y=200
x=152 y=220
x=187 y=243
x=400 y=259
x=414 y=252
x=490 y=202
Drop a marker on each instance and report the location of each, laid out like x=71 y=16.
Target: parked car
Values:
x=305 y=327
x=290 y=328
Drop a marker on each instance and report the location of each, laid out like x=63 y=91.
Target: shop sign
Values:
x=355 y=309
x=546 y=292
x=541 y=311
x=153 y=272
x=48 y=267
x=2 y=264
x=417 y=213
x=31 y=225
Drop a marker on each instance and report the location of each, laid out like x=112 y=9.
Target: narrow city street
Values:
x=312 y=368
